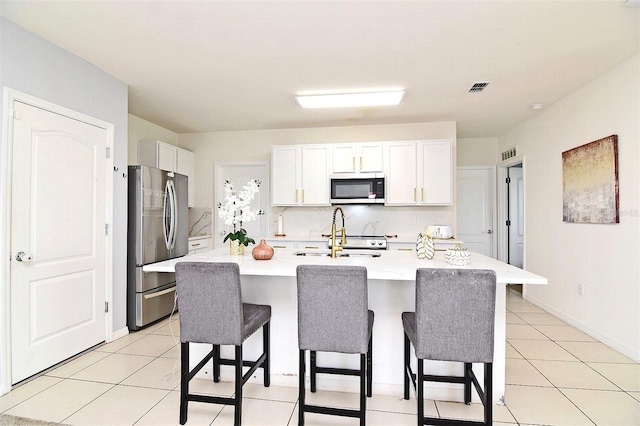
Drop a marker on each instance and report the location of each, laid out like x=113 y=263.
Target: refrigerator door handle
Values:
x=173 y=211
x=166 y=227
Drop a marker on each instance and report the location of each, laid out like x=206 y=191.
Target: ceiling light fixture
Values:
x=341 y=100
x=536 y=106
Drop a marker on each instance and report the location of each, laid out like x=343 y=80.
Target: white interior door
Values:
x=58 y=217
x=239 y=174
x=475 y=208
x=516 y=216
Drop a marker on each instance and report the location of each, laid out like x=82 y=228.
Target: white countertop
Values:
x=391 y=265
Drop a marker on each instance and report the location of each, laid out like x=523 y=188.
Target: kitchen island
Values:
x=391 y=292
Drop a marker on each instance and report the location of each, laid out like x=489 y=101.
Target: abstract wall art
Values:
x=590 y=182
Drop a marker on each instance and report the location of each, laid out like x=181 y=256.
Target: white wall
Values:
x=37 y=67
x=256 y=146
x=603 y=258
x=143 y=129
x=477 y=151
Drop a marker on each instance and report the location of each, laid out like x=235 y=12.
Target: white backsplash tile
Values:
x=361 y=220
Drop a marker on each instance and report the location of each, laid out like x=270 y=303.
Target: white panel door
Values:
x=58 y=289
x=475 y=209
x=516 y=217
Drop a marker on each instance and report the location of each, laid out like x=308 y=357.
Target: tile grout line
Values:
x=581 y=362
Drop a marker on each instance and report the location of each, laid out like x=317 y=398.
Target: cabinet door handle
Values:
x=303 y=195
x=405 y=249
x=279 y=246
x=422 y=192
x=296 y=195
x=360 y=163
x=195 y=244
x=353 y=163
x=414 y=194
x=312 y=247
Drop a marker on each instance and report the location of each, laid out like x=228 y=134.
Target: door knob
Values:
x=23 y=257
x=488 y=231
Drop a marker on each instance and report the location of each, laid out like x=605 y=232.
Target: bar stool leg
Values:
x=184 y=381
x=313 y=372
x=237 y=419
x=407 y=348
x=420 y=384
x=301 y=388
x=467 y=382
x=363 y=384
x=216 y=363
x=488 y=393
x=266 y=369
x=370 y=367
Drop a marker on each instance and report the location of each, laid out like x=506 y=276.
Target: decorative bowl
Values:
x=440 y=231
x=457 y=256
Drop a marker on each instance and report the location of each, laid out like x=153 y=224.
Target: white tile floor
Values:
x=556 y=375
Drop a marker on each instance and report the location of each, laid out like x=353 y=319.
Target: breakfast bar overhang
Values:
x=391 y=292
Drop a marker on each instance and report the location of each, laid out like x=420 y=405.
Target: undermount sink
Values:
x=344 y=253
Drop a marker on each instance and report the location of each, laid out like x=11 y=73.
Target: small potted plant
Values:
x=235 y=210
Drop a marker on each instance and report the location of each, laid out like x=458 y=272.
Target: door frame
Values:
x=503 y=210
x=9 y=97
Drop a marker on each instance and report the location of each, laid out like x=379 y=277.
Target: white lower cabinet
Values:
x=297 y=244
x=200 y=244
x=401 y=246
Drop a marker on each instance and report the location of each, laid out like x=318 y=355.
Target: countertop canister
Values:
x=457 y=256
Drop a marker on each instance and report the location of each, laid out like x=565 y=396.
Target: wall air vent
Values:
x=478 y=87
x=509 y=153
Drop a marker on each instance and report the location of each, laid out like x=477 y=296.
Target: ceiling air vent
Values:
x=509 y=153
x=478 y=87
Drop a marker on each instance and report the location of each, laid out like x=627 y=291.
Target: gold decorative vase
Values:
x=235 y=248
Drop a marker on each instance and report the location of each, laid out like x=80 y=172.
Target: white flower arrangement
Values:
x=235 y=210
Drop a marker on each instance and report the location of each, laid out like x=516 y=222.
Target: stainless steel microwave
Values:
x=357 y=188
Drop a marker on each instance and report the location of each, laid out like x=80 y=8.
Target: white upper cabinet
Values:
x=357 y=157
x=435 y=172
x=418 y=173
x=400 y=173
x=155 y=153
x=285 y=175
x=300 y=175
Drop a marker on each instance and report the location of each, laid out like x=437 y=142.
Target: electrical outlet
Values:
x=580 y=289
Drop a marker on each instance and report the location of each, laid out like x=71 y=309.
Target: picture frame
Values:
x=590 y=192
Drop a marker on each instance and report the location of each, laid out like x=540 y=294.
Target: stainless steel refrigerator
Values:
x=157 y=231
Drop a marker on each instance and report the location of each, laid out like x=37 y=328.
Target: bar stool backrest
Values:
x=210 y=302
x=332 y=308
x=455 y=314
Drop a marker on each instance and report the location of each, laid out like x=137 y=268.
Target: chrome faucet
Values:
x=343 y=240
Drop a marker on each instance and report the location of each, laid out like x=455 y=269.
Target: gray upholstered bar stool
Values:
x=211 y=311
x=333 y=316
x=453 y=321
